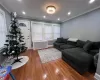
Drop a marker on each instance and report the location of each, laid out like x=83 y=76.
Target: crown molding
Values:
x=83 y=14
x=5 y=8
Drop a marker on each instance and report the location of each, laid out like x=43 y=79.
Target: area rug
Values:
x=50 y=54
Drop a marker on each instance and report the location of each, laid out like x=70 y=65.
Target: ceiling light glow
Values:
x=91 y=1
x=19 y=0
x=23 y=12
x=69 y=13
x=51 y=9
x=58 y=19
x=44 y=16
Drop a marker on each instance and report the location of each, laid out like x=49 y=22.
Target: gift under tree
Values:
x=14 y=43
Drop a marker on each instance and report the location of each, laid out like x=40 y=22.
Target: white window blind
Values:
x=3 y=29
x=37 y=31
x=56 y=29
x=48 y=33
x=44 y=31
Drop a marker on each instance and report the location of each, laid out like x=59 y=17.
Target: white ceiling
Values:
x=35 y=8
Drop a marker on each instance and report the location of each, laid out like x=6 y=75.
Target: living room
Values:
x=49 y=40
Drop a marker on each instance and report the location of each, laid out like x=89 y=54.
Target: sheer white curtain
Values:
x=3 y=29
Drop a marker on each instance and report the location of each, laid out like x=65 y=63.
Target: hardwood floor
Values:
x=54 y=70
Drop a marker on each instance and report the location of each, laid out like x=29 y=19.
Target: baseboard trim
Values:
x=97 y=76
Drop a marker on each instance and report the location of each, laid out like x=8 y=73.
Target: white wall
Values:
x=85 y=27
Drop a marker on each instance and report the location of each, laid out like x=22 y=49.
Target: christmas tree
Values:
x=14 y=43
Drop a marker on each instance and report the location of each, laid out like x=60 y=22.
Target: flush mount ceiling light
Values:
x=51 y=9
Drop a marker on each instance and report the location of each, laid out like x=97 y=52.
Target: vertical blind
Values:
x=45 y=31
x=3 y=29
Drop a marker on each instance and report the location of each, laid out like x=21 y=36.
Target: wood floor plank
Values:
x=54 y=70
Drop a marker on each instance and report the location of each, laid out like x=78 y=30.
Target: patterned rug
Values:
x=50 y=54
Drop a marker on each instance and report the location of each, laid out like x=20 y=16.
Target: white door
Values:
x=25 y=29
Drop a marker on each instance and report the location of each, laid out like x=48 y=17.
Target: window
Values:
x=3 y=29
x=37 y=31
x=48 y=33
x=44 y=31
x=56 y=29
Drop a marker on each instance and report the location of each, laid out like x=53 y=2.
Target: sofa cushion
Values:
x=59 y=40
x=78 y=55
x=66 y=46
x=80 y=43
x=88 y=46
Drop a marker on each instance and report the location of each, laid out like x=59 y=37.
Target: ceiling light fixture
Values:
x=50 y=9
x=23 y=12
x=91 y=1
x=69 y=13
x=44 y=16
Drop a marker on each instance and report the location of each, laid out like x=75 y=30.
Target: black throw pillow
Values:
x=80 y=43
x=87 y=46
x=59 y=40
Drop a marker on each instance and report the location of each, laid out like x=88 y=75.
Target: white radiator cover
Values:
x=40 y=45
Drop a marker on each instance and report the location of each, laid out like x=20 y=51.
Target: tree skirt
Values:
x=50 y=54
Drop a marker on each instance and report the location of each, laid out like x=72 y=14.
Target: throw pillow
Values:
x=73 y=39
x=59 y=40
x=80 y=43
x=87 y=46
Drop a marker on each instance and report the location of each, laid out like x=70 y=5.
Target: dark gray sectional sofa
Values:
x=79 y=54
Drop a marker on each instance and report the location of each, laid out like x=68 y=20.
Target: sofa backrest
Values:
x=71 y=43
x=96 y=45
x=80 y=43
x=61 y=40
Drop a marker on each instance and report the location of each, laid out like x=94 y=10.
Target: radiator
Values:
x=40 y=44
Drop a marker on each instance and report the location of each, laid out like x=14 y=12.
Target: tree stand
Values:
x=17 y=60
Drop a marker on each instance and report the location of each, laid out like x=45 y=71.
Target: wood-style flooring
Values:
x=54 y=70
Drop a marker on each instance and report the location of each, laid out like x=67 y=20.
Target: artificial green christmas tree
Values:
x=14 y=43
